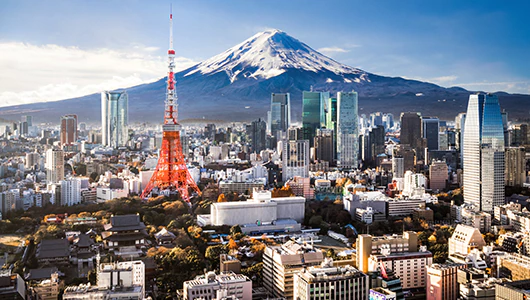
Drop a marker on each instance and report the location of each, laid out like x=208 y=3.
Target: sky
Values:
x=53 y=50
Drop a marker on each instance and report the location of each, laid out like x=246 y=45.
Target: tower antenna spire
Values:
x=171 y=26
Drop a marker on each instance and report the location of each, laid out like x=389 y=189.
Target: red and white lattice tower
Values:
x=171 y=172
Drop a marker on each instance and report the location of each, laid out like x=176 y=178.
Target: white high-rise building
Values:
x=71 y=191
x=483 y=153
x=114 y=119
x=347 y=130
x=295 y=159
x=54 y=165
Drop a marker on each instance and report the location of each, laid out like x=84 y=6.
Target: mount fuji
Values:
x=236 y=86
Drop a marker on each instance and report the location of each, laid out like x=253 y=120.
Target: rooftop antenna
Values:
x=171 y=26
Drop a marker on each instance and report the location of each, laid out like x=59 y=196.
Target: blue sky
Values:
x=58 y=49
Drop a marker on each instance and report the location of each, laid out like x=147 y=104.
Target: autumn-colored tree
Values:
x=221 y=198
x=232 y=245
x=285 y=191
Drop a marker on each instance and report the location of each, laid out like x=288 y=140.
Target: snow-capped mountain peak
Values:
x=269 y=54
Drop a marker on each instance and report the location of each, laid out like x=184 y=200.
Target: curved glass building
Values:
x=483 y=153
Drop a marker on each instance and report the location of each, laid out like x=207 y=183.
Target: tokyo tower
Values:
x=171 y=172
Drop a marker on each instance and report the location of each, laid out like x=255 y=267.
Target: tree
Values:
x=232 y=245
x=213 y=252
x=315 y=221
x=234 y=230
x=221 y=198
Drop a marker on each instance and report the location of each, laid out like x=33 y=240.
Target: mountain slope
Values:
x=236 y=86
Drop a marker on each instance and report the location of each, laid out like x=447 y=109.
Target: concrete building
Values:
x=403 y=207
x=484 y=153
x=328 y=282
x=70 y=191
x=514 y=266
x=480 y=220
x=217 y=286
x=246 y=187
x=125 y=273
x=414 y=184
x=32 y=161
x=68 y=129
x=262 y=212
x=398 y=167
x=513 y=290
x=483 y=289
x=281 y=263
x=367 y=245
x=442 y=281
x=438 y=175
x=116 y=281
x=54 y=165
x=409 y=266
x=295 y=159
x=515 y=162
x=465 y=239
x=12 y=286
x=114 y=119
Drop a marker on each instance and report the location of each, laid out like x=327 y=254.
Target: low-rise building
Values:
x=327 y=282
x=465 y=239
x=125 y=235
x=216 y=286
x=53 y=252
x=261 y=213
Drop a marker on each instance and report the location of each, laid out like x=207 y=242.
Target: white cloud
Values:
x=520 y=87
x=33 y=73
x=444 y=79
x=331 y=50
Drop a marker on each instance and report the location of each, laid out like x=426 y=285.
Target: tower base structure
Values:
x=171 y=172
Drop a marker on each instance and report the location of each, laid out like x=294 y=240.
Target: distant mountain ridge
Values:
x=236 y=86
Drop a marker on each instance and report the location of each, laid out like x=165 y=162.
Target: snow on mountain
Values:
x=269 y=54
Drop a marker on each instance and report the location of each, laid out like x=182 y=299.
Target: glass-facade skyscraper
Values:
x=313 y=113
x=430 y=132
x=347 y=130
x=483 y=151
x=114 y=119
x=280 y=118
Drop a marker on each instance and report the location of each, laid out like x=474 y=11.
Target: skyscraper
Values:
x=295 y=159
x=411 y=130
x=54 y=165
x=430 y=130
x=68 y=129
x=280 y=113
x=313 y=113
x=325 y=146
x=114 y=118
x=347 y=130
x=257 y=134
x=483 y=153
